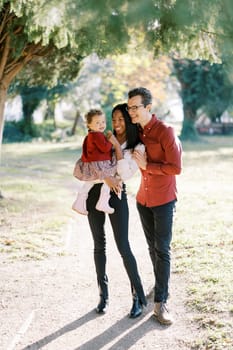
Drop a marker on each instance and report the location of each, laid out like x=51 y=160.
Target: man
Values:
x=157 y=193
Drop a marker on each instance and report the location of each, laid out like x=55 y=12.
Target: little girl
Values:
x=95 y=164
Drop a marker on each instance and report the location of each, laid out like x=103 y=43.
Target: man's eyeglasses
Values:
x=133 y=108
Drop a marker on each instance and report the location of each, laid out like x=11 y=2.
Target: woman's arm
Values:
x=127 y=167
x=116 y=145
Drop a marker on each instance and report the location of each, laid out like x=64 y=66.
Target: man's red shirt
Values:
x=163 y=148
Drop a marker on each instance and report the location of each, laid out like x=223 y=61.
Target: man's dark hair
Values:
x=144 y=93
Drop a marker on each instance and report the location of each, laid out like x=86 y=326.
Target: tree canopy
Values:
x=54 y=36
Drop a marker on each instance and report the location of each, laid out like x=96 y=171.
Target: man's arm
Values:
x=172 y=163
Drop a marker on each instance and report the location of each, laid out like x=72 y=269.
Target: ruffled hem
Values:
x=89 y=171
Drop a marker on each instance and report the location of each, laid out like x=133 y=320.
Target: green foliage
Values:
x=19 y=132
x=203 y=85
x=45 y=21
x=15 y=132
x=12 y=133
x=192 y=77
x=50 y=39
x=46 y=130
x=73 y=29
x=219 y=91
x=31 y=97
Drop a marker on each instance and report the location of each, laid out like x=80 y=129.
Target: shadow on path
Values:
x=68 y=328
x=122 y=327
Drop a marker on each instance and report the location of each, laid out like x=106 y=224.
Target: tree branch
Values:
x=18 y=30
x=4 y=20
x=3 y=37
x=5 y=54
x=7 y=79
x=28 y=53
x=213 y=33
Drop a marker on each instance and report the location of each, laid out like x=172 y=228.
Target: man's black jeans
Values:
x=157 y=225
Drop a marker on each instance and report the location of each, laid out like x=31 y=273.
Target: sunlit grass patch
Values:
x=39 y=236
x=203 y=237
x=35 y=182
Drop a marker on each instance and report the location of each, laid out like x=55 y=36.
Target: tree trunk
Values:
x=188 y=131
x=29 y=106
x=77 y=117
x=3 y=94
x=50 y=113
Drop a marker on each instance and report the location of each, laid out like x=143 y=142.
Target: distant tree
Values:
x=53 y=96
x=202 y=85
x=31 y=98
x=219 y=94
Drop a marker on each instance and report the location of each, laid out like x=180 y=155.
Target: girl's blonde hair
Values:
x=91 y=114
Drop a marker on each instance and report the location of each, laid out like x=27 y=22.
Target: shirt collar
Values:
x=149 y=124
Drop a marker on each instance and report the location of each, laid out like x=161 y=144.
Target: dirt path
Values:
x=50 y=304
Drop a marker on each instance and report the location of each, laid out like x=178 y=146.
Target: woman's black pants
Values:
x=119 y=222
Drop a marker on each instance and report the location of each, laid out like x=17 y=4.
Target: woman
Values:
x=126 y=139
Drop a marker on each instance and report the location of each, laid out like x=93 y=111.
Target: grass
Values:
x=37 y=186
x=203 y=237
x=36 y=182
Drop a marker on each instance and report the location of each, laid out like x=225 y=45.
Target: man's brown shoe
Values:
x=162 y=314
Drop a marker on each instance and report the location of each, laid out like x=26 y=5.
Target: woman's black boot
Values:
x=103 y=302
x=136 y=309
x=102 y=306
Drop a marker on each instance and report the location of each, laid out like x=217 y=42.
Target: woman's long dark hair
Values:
x=132 y=131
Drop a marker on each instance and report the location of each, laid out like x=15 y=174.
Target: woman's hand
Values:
x=140 y=159
x=112 y=138
x=116 y=144
x=114 y=183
